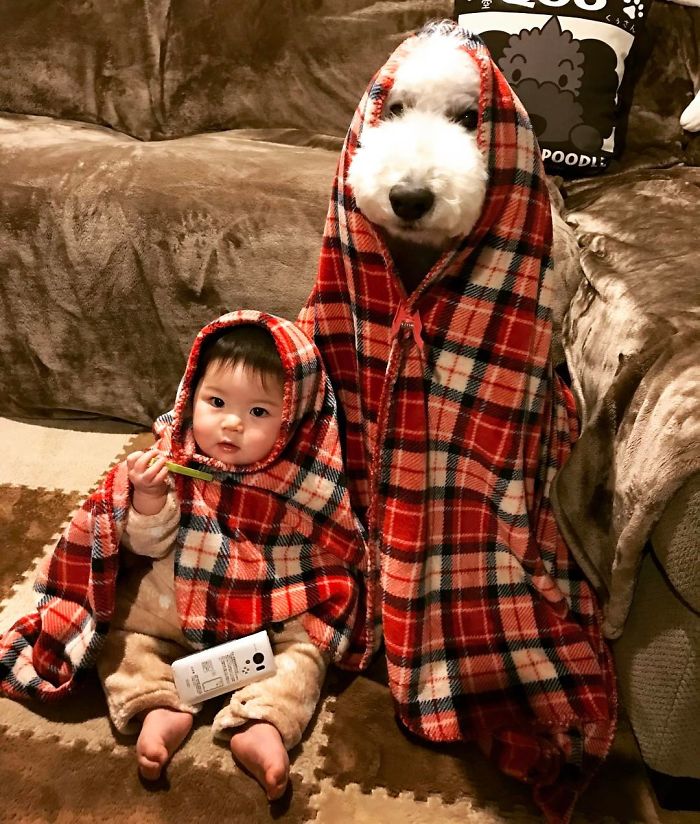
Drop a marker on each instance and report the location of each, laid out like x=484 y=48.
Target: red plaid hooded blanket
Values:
x=274 y=540
x=454 y=425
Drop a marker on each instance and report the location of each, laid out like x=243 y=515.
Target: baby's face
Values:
x=236 y=418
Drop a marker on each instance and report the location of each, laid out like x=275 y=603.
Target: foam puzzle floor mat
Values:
x=64 y=763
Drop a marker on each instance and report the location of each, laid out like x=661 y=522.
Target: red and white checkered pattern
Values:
x=275 y=540
x=454 y=426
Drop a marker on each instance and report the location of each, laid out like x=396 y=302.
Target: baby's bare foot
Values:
x=162 y=732
x=258 y=747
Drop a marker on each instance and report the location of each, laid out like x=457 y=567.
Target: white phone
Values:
x=223 y=668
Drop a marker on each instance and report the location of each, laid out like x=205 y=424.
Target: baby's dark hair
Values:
x=247 y=343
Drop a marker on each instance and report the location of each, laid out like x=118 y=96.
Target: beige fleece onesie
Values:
x=145 y=637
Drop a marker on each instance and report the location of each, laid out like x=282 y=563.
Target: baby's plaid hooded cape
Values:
x=491 y=631
x=275 y=540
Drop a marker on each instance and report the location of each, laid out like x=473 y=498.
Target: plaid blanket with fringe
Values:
x=454 y=427
x=256 y=546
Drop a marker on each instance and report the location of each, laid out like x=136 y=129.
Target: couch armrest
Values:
x=676 y=541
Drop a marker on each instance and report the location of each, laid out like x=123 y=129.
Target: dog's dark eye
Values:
x=469 y=119
x=396 y=109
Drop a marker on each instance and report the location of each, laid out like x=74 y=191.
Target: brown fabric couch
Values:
x=162 y=161
x=629 y=498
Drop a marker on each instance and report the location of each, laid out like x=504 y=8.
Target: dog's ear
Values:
x=496 y=41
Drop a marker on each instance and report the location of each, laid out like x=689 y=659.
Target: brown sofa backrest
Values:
x=91 y=60
x=166 y=68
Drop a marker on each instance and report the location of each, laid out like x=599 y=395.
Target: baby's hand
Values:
x=149 y=481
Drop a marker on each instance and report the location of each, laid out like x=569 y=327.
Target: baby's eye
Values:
x=258 y=412
x=217 y=402
x=468 y=120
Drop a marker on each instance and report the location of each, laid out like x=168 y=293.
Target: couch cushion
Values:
x=96 y=61
x=632 y=340
x=278 y=63
x=167 y=68
x=113 y=253
x=658 y=665
x=675 y=541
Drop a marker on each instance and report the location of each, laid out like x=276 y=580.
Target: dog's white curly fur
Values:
x=422 y=143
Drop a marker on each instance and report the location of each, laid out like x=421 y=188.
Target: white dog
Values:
x=419 y=173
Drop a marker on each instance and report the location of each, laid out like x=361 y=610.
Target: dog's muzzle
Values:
x=409 y=202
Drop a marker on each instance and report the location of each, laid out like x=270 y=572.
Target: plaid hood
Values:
x=272 y=541
x=454 y=426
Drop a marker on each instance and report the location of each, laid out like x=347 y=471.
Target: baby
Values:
x=236 y=419
x=268 y=542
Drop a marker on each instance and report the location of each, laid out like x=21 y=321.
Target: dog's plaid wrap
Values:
x=262 y=545
x=491 y=631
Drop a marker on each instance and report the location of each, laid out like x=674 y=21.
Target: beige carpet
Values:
x=65 y=764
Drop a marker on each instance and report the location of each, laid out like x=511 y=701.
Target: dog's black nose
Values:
x=410 y=203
